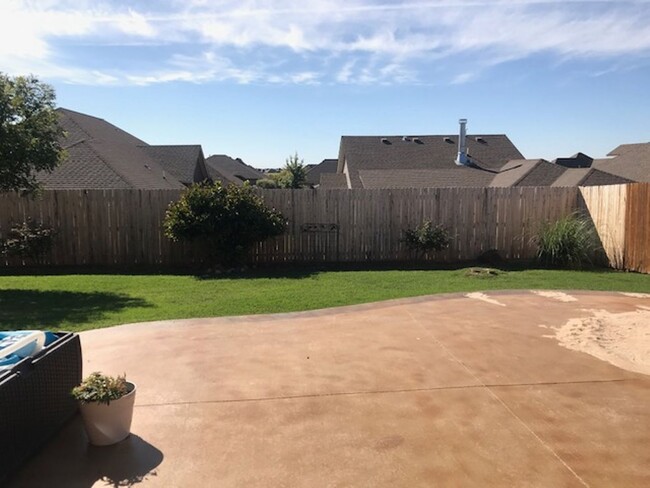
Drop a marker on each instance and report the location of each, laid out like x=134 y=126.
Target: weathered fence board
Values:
x=124 y=227
x=637 y=228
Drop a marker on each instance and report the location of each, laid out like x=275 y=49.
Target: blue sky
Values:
x=262 y=79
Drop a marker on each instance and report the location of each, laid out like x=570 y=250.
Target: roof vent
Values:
x=406 y=139
x=480 y=139
x=417 y=140
x=462 y=159
x=448 y=140
x=385 y=141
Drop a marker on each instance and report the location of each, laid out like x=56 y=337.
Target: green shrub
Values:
x=229 y=219
x=566 y=243
x=426 y=238
x=267 y=183
x=31 y=240
x=100 y=388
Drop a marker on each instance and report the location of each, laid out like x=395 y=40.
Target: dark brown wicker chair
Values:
x=35 y=401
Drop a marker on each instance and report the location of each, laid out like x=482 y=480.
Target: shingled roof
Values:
x=228 y=170
x=397 y=153
x=103 y=156
x=315 y=171
x=631 y=161
x=185 y=163
x=588 y=177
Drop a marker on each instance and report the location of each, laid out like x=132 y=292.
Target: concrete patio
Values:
x=432 y=391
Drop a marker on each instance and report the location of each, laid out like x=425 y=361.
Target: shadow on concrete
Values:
x=47 y=309
x=69 y=461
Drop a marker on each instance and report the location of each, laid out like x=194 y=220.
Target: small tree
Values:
x=294 y=174
x=426 y=238
x=29 y=132
x=229 y=219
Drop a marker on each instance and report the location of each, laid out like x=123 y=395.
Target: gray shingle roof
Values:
x=185 y=163
x=229 y=170
x=102 y=156
x=422 y=153
x=325 y=166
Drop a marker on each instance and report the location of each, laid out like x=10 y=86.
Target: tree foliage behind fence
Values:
x=124 y=227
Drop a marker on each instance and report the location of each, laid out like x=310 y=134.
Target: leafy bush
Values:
x=426 y=238
x=229 y=219
x=567 y=243
x=268 y=183
x=28 y=240
x=100 y=388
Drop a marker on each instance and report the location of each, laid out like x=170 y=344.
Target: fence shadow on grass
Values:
x=29 y=309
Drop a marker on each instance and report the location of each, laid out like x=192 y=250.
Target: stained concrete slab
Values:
x=431 y=391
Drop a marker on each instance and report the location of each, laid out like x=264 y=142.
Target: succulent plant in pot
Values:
x=106 y=405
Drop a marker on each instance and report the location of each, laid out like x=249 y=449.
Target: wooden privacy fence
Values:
x=124 y=227
x=621 y=214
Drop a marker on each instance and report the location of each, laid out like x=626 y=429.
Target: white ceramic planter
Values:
x=109 y=424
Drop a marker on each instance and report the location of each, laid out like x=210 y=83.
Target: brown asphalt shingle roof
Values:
x=362 y=153
x=102 y=156
x=541 y=174
x=631 y=161
x=333 y=181
x=228 y=170
x=513 y=172
x=185 y=163
x=596 y=178
x=425 y=178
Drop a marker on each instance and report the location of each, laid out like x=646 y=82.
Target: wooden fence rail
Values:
x=124 y=227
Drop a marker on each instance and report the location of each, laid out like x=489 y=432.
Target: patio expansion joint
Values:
x=499 y=400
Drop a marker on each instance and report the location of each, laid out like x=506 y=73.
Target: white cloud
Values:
x=289 y=41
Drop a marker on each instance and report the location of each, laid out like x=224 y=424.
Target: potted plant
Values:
x=106 y=405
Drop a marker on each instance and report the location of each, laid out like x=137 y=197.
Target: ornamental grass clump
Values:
x=100 y=388
x=570 y=242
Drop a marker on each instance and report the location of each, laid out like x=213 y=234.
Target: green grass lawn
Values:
x=86 y=301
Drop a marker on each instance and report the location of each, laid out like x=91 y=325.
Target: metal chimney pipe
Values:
x=461 y=159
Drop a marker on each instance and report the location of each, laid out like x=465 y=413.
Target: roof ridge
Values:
x=74 y=122
x=63 y=109
x=168 y=145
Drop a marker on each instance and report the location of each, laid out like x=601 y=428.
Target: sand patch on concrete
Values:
x=556 y=295
x=622 y=339
x=484 y=298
